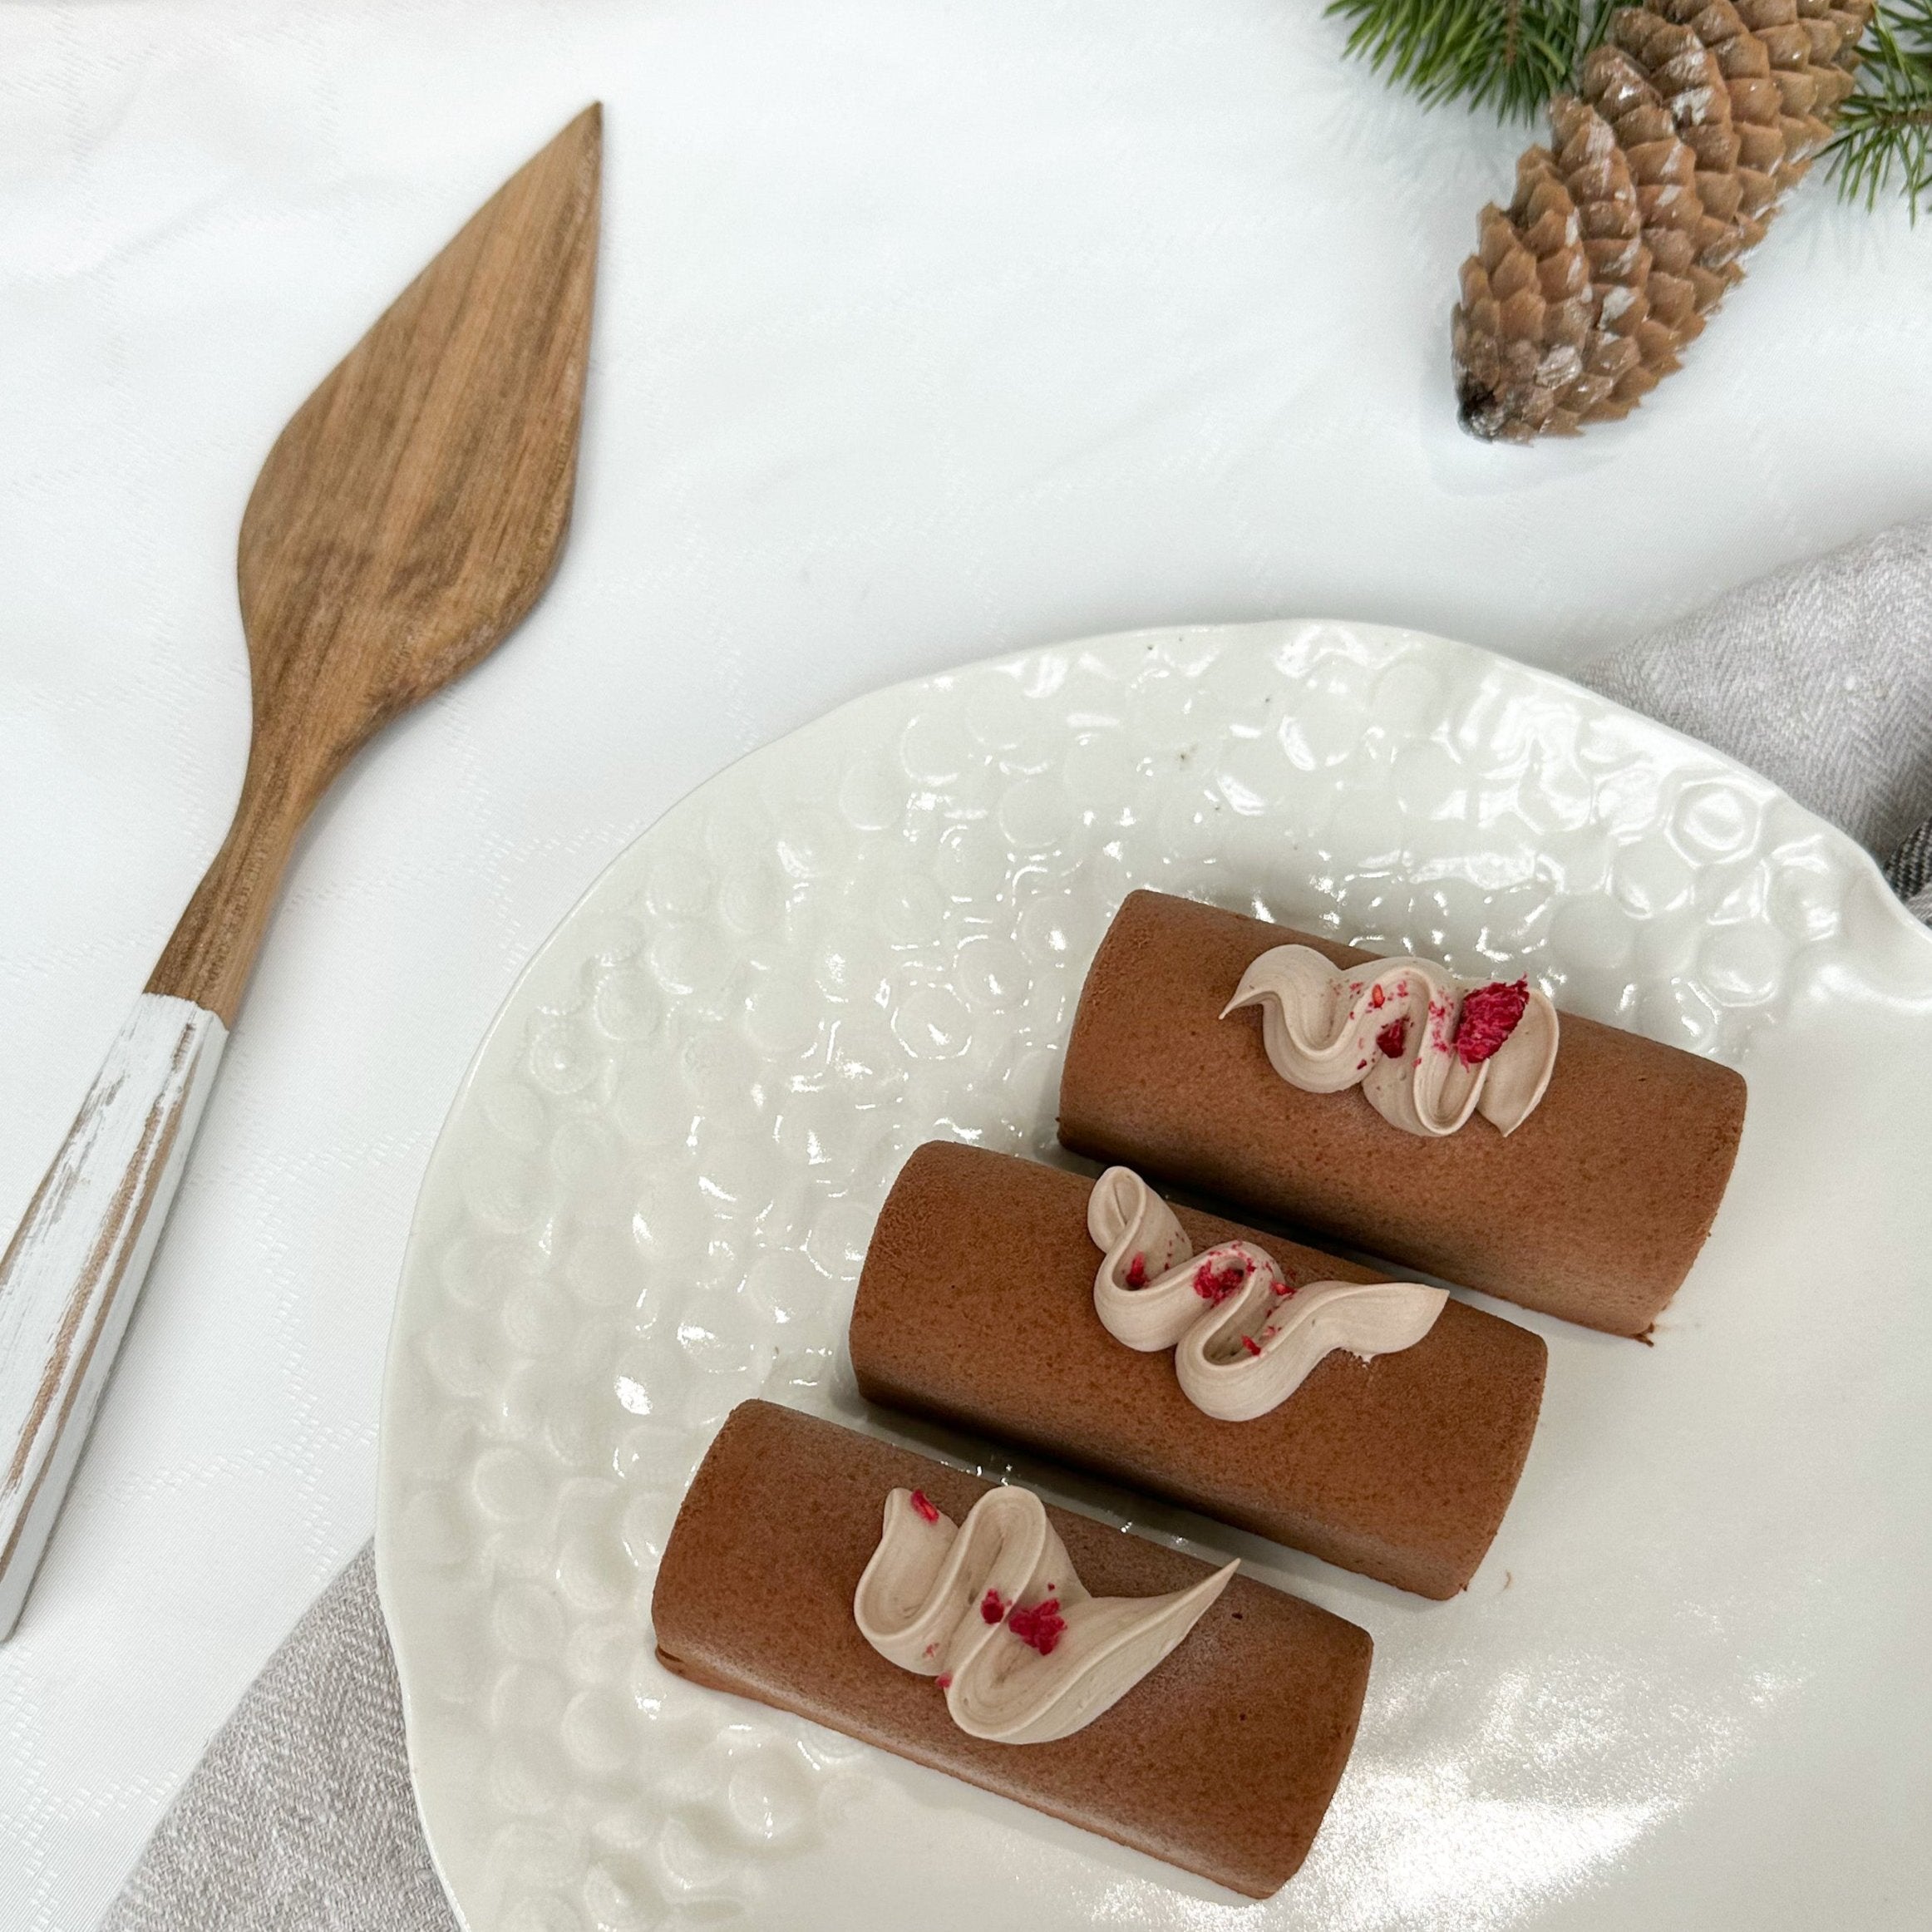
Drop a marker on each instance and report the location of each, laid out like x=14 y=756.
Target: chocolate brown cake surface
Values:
x=1593 y=1209
x=1222 y=1760
x=975 y=1307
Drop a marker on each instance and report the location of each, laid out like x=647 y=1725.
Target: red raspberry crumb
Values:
x=923 y=1504
x=1215 y=1281
x=1041 y=1626
x=1377 y=997
x=1490 y=1015
x=991 y=1608
x=1394 y=1038
x=930 y=1650
x=1137 y=1272
x=1250 y=1344
x=944 y=1680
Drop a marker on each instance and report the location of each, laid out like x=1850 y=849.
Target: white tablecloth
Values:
x=924 y=330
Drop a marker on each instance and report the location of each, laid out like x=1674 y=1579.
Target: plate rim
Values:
x=1150 y=636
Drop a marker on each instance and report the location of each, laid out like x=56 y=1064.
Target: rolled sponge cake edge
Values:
x=975 y=1308
x=1594 y=1210
x=1222 y=1760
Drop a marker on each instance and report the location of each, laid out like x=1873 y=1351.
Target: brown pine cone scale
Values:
x=1693 y=118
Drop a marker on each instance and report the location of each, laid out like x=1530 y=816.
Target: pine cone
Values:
x=1694 y=117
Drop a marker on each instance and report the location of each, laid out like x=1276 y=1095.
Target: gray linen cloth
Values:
x=1820 y=677
x=299 y=1818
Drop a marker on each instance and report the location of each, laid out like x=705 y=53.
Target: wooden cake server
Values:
x=405 y=521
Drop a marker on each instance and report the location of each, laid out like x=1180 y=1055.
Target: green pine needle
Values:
x=1511 y=55
x=1885 y=128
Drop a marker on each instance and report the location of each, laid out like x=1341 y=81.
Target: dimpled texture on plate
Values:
x=656 y=1187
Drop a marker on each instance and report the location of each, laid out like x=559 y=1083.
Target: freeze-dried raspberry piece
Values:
x=1040 y=1627
x=1490 y=1015
x=1215 y=1281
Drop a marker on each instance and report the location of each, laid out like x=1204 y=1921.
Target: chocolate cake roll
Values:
x=1591 y=1205
x=1221 y=1760
x=976 y=1307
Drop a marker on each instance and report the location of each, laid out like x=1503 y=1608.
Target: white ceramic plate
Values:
x=1689 y=1686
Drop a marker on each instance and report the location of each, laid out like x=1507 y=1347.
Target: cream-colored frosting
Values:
x=1325 y=1029
x=938 y=1598
x=1244 y=1338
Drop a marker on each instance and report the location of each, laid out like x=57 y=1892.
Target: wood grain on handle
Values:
x=210 y=955
x=69 y=1276
x=407 y=518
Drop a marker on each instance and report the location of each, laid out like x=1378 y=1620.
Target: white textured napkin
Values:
x=299 y=1819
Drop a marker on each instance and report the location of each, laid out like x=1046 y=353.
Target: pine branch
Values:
x=1885 y=128
x=1510 y=55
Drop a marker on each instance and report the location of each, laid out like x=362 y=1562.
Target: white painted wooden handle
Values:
x=69 y=1279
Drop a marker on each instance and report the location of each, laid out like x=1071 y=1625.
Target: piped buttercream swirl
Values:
x=1427 y=1048
x=992 y=1609
x=1244 y=1336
